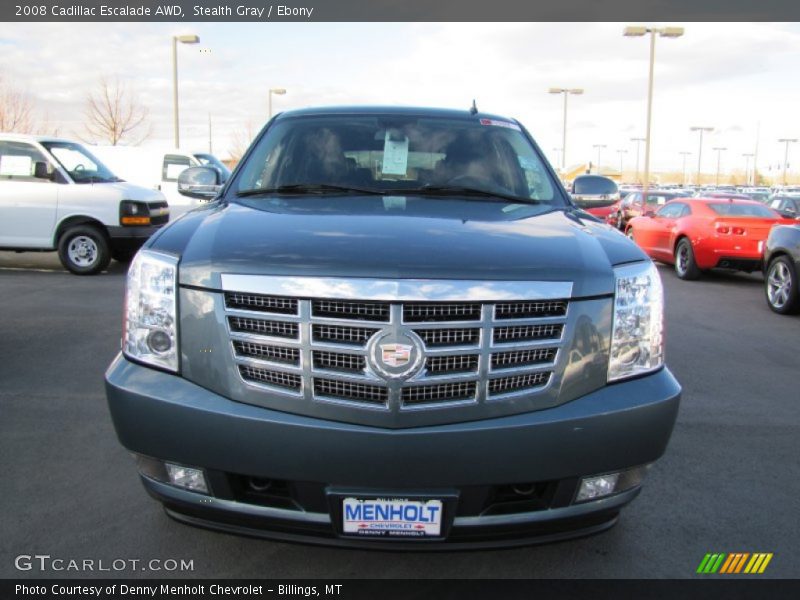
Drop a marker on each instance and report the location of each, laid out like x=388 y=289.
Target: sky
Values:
x=739 y=78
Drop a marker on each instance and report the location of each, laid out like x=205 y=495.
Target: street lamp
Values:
x=621 y=152
x=747 y=157
x=700 y=149
x=638 y=31
x=277 y=92
x=599 y=150
x=566 y=92
x=786 y=141
x=557 y=151
x=638 y=143
x=719 y=154
x=183 y=39
x=684 y=154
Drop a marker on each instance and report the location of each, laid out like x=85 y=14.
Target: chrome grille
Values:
x=443 y=392
x=417 y=312
x=449 y=337
x=261 y=303
x=264 y=352
x=336 y=361
x=363 y=311
x=339 y=334
x=354 y=392
x=507 y=360
x=525 y=333
x=317 y=350
x=505 y=385
x=460 y=363
x=527 y=310
x=262 y=327
x=287 y=380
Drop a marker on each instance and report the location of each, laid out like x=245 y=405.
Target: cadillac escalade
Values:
x=392 y=327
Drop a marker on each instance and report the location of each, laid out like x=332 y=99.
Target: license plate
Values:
x=391 y=517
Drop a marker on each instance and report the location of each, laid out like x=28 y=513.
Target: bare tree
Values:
x=114 y=113
x=16 y=110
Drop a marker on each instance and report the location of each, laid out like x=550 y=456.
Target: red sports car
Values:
x=696 y=234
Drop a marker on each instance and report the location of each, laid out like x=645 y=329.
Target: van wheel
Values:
x=83 y=250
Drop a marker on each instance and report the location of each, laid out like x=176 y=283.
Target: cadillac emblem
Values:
x=395 y=353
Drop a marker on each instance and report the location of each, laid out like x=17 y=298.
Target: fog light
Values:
x=599 y=486
x=187 y=478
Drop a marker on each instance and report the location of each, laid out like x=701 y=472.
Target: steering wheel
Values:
x=79 y=168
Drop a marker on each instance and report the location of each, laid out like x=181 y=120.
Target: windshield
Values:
x=79 y=163
x=398 y=154
x=731 y=209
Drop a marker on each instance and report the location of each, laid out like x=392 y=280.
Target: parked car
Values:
x=787 y=206
x=152 y=168
x=781 y=266
x=595 y=194
x=55 y=195
x=392 y=327
x=697 y=234
x=633 y=205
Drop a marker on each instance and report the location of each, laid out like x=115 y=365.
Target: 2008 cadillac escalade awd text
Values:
x=392 y=327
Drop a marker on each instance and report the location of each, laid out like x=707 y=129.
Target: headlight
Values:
x=151 y=334
x=637 y=340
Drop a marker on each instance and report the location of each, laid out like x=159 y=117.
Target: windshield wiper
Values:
x=302 y=188
x=457 y=190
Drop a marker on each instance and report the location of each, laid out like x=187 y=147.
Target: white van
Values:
x=152 y=168
x=55 y=195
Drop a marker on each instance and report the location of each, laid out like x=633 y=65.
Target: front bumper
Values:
x=617 y=427
x=125 y=239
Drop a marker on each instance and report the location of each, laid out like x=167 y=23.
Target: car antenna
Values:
x=474 y=108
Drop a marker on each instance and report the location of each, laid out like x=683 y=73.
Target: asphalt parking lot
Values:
x=728 y=483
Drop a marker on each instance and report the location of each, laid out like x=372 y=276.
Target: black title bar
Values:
x=268 y=11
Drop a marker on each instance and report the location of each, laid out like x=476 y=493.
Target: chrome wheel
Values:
x=779 y=284
x=82 y=251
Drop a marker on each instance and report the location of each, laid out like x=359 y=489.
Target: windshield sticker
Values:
x=496 y=123
x=395 y=154
x=15 y=166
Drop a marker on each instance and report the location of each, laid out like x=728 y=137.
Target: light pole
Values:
x=621 y=152
x=566 y=92
x=786 y=141
x=747 y=157
x=277 y=92
x=684 y=154
x=557 y=151
x=719 y=155
x=183 y=39
x=599 y=150
x=638 y=143
x=700 y=149
x=638 y=31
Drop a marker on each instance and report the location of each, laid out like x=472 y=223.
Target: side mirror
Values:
x=40 y=171
x=199 y=182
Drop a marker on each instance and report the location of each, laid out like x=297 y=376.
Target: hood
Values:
x=129 y=191
x=396 y=237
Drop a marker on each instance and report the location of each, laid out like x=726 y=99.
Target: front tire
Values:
x=685 y=265
x=780 y=286
x=83 y=250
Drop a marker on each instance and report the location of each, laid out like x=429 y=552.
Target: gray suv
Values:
x=391 y=328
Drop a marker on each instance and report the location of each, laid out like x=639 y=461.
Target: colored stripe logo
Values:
x=734 y=563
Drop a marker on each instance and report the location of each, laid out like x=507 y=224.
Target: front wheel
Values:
x=83 y=250
x=685 y=265
x=780 y=285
